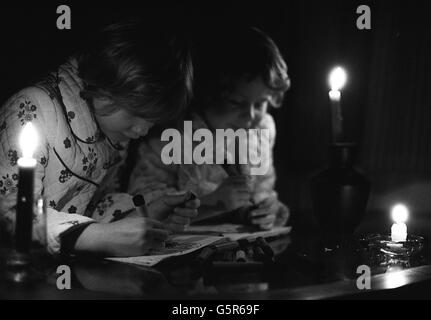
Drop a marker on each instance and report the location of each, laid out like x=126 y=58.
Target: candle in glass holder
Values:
x=400 y=215
x=337 y=79
x=26 y=167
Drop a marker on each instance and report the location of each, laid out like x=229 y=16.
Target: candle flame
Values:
x=400 y=213
x=337 y=78
x=28 y=140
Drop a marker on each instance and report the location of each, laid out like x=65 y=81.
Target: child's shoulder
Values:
x=267 y=122
x=33 y=95
x=30 y=104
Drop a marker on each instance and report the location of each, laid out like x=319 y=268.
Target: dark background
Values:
x=386 y=102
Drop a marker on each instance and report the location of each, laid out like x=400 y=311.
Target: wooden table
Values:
x=301 y=271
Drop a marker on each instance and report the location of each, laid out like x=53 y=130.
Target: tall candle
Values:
x=337 y=79
x=400 y=215
x=26 y=168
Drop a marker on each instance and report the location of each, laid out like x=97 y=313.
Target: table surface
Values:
x=302 y=270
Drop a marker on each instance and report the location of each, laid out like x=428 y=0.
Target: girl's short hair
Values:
x=143 y=68
x=227 y=55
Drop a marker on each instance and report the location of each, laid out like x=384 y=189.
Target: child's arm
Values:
x=124 y=238
x=232 y=194
x=157 y=182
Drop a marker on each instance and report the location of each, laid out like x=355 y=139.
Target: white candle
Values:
x=26 y=169
x=337 y=79
x=400 y=215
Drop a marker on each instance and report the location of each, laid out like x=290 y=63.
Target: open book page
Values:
x=198 y=237
x=176 y=245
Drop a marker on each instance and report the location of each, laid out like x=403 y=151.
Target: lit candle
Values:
x=26 y=168
x=400 y=214
x=337 y=79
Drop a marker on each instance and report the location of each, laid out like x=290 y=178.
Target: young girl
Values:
x=134 y=76
x=240 y=73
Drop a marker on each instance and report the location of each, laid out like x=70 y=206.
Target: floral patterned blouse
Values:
x=77 y=166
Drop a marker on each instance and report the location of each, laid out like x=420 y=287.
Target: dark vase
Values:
x=339 y=194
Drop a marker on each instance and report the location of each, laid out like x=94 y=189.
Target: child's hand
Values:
x=175 y=210
x=180 y=219
x=233 y=193
x=283 y=215
x=269 y=213
x=132 y=236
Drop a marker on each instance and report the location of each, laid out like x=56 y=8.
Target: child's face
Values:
x=242 y=108
x=120 y=125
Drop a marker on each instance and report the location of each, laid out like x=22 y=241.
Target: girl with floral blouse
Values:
x=133 y=75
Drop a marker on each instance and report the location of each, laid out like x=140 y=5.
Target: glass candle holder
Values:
x=379 y=250
x=21 y=266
